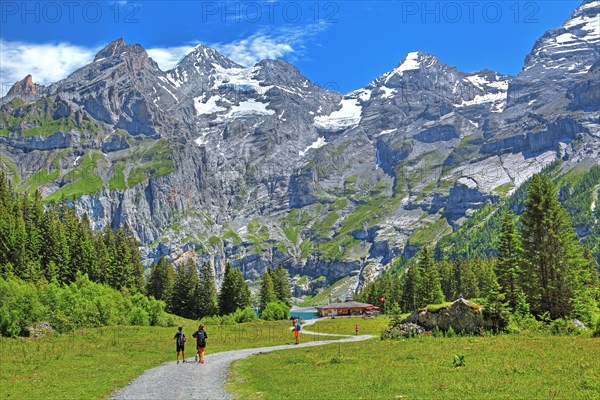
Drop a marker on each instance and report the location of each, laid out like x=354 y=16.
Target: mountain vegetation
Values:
x=55 y=267
x=539 y=268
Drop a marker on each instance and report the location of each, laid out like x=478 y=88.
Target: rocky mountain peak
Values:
x=117 y=50
x=204 y=59
x=279 y=72
x=417 y=65
x=571 y=48
x=25 y=86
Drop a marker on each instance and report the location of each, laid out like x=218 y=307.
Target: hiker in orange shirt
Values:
x=297 y=330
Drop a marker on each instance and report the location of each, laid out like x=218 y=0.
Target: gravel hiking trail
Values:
x=191 y=380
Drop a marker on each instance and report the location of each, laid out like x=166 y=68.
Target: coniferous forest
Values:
x=55 y=267
x=539 y=268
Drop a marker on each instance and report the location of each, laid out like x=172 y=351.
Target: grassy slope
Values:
x=499 y=367
x=92 y=363
x=345 y=326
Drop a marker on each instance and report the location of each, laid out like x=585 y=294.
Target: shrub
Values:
x=20 y=306
x=564 y=326
x=139 y=316
x=82 y=303
x=156 y=312
x=275 y=311
x=597 y=329
x=437 y=332
x=245 y=315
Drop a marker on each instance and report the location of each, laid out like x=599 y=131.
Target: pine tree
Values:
x=55 y=247
x=551 y=252
x=510 y=252
x=410 y=284
x=206 y=294
x=161 y=280
x=465 y=281
x=234 y=291
x=430 y=290
x=135 y=279
x=445 y=270
x=183 y=300
x=267 y=293
x=281 y=287
x=586 y=294
x=495 y=307
x=227 y=293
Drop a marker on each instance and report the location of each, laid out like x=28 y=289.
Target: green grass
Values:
x=12 y=170
x=229 y=234
x=345 y=326
x=38 y=179
x=117 y=181
x=430 y=232
x=92 y=363
x=502 y=190
x=85 y=181
x=330 y=292
x=44 y=125
x=497 y=367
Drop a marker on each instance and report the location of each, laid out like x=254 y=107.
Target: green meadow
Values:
x=519 y=366
x=93 y=363
x=345 y=325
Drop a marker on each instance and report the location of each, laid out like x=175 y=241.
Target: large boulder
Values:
x=461 y=315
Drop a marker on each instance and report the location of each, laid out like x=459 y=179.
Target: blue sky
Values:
x=342 y=45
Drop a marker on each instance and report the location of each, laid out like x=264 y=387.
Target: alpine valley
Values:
x=259 y=165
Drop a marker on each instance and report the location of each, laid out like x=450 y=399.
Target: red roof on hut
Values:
x=346 y=308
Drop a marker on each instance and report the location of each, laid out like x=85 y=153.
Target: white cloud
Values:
x=282 y=43
x=168 y=57
x=255 y=48
x=51 y=62
x=47 y=63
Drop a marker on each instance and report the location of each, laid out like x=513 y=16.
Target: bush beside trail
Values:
x=80 y=304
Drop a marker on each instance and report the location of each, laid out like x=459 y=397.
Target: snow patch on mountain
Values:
x=388 y=92
x=410 y=63
x=208 y=107
x=249 y=107
x=347 y=116
x=242 y=79
x=320 y=142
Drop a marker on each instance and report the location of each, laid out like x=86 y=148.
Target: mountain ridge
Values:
x=259 y=165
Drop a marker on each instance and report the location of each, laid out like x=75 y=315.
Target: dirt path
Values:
x=204 y=381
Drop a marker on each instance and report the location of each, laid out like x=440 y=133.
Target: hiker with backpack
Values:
x=201 y=337
x=180 y=343
x=297 y=330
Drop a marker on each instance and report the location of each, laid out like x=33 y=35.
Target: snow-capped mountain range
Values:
x=259 y=165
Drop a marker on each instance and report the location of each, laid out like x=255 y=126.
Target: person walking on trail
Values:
x=297 y=330
x=201 y=337
x=180 y=340
x=356 y=329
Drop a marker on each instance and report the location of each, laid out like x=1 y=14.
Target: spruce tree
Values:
x=281 y=287
x=430 y=290
x=206 y=294
x=495 y=307
x=227 y=294
x=551 y=252
x=410 y=284
x=183 y=299
x=267 y=293
x=161 y=280
x=508 y=268
x=242 y=297
x=586 y=294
